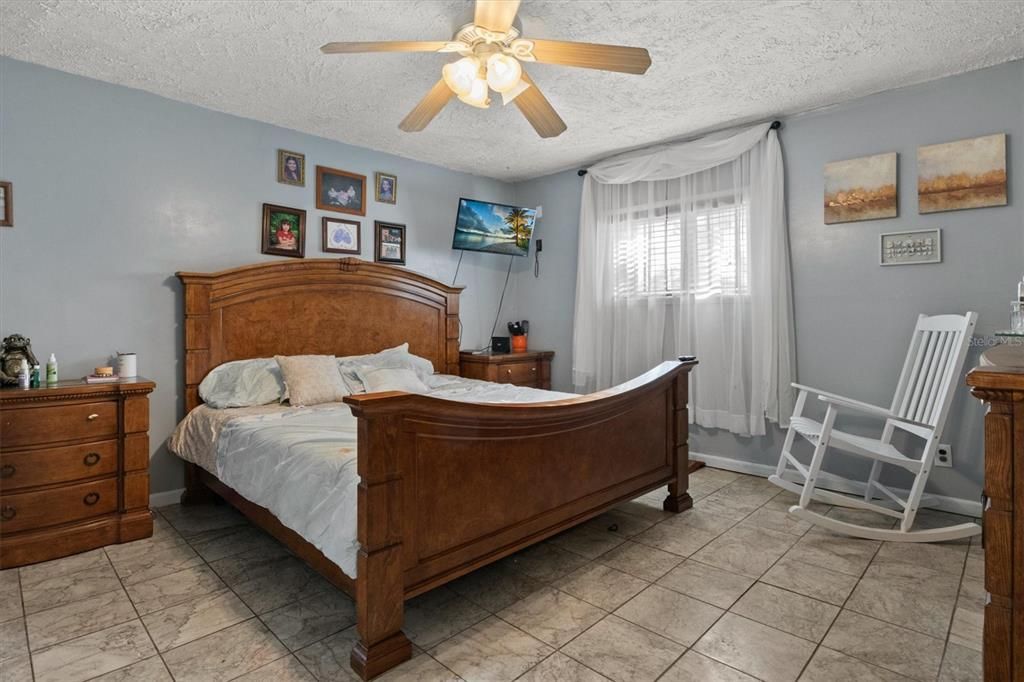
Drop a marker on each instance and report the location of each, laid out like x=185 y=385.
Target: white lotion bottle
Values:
x=51 y=370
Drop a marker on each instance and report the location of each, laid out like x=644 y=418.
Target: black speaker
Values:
x=500 y=344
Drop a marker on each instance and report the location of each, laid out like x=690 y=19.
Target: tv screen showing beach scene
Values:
x=494 y=228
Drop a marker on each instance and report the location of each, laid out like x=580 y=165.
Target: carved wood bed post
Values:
x=380 y=588
x=678 y=499
x=197 y=364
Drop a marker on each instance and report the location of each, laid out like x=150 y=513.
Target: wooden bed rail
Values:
x=447 y=487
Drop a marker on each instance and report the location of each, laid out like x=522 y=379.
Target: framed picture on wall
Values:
x=341 y=191
x=284 y=231
x=911 y=248
x=389 y=243
x=291 y=168
x=6 y=204
x=340 y=236
x=386 y=187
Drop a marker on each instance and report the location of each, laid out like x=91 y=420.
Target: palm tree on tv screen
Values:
x=518 y=220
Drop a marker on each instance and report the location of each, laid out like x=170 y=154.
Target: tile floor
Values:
x=734 y=589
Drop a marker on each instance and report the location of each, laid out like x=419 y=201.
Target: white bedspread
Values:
x=300 y=463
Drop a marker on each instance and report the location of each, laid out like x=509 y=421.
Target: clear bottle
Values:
x=23 y=380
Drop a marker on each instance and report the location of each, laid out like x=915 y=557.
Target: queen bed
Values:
x=391 y=494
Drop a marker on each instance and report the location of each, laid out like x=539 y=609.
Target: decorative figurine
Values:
x=15 y=349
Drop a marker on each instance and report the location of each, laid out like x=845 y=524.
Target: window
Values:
x=703 y=252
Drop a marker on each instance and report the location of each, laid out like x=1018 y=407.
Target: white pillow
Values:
x=243 y=383
x=376 y=379
x=398 y=357
x=312 y=379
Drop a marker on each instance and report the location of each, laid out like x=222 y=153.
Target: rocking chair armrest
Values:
x=823 y=394
x=857 y=405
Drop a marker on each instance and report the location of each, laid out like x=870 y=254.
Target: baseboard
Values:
x=165 y=498
x=954 y=505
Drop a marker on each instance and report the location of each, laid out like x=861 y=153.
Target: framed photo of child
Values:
x=291 y=168
x=389 y=245
x=387 y=187
x=284 y=231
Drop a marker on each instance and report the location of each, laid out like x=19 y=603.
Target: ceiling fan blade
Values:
x=384 y=46
x=428 y=107
x=592 y=56
x=496 y=15
x=538 y=110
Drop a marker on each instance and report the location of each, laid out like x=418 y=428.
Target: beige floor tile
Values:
x=889 y=646
x=148 y=670
x=46 y=628
x=620 y=523
x=810 y=580
x=740 y=497
x=10 y=595
x=834 y=552
x=328 y=659
x=17 y=669
x=195 y=618
x=420 y=668
x=303 y=622
x=62 y=588
x=960 y=664
x=708 y=520
x=225 y=654
x=552 y=616
x=773 y=519
x=138 y=548
x=491 y=650
x=46 y=571
x=545 y=562
x=238 y=540
x=967 y=628
x=191 y=521
x=975 y=567
x=601 y=586
x=948 y=558
x=756 y=649
x=641 y=561
x=747 y=551
x=623 y=651
x=862 y=517
x=831 y=666
x=912 y=596
x=586 y=541
x=289 y=580
x=694 y=667
x=13 y=642
x=160 y=593
x=437 y=615
x=93 y=654
x=287 y=669
x=674 y=539
x=670 y=614
x=560 y=668
x=972 y=594
x=646 y=508
x=160 y=561
x=707 y=583
x=251 y=565
x=787 y=611
x=785 y=499
x=496 y=586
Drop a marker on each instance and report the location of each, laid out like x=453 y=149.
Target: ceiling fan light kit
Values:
x=491 y=52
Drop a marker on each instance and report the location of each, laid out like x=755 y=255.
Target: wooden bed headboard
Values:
x=337 y=307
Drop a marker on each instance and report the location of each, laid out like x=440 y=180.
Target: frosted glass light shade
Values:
x=503 y=72
x=459 y=76
x=510 y=95
x=478 y=94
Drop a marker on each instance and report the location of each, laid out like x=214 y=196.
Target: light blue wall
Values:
x=853 y=317
x=116 y=189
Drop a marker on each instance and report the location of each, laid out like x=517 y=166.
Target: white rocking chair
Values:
x=924 y=393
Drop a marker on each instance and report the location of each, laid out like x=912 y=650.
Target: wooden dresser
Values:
x=74 y=468
x=1003 y=389
x=530 y=368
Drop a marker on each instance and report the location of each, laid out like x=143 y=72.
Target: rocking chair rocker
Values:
x=923 y=396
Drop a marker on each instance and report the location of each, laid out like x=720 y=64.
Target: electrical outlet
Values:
x=944 y=456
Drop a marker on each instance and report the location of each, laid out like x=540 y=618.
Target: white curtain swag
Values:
x=683 y=250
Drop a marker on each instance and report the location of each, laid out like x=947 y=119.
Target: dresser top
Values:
x=489 y=356
x=75 y=388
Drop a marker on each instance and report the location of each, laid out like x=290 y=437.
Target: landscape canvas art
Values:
x=962 y=174
x=861 y=189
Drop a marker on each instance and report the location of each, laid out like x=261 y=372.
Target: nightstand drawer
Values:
x=26 y=468
x=22 y=511
x=52 y=424
x=517 y=373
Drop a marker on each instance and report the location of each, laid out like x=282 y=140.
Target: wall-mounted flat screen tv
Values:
x=494 y=228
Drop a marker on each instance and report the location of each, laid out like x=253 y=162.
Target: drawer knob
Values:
x=509 y=372
x=91 y=459
x=91 y=499
x=8 y=513
x=93 y=417
x=7 y=470
x=533 y=369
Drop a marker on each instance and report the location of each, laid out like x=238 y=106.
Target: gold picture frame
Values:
x=288 y=175
x=385 y=193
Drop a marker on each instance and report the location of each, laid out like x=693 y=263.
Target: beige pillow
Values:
x=311 y=379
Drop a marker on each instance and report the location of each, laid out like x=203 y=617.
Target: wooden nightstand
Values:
x=530 y=368
x=74 y=468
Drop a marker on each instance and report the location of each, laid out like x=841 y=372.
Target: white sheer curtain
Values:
x=683 y=250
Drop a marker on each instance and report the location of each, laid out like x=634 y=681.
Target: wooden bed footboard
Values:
x=447 y=487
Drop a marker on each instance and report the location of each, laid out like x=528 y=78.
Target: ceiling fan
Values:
x=491 y=51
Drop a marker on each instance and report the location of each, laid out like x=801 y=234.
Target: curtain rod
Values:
x=774 y=126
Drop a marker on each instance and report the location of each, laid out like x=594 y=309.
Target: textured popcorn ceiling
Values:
x=714 y=63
